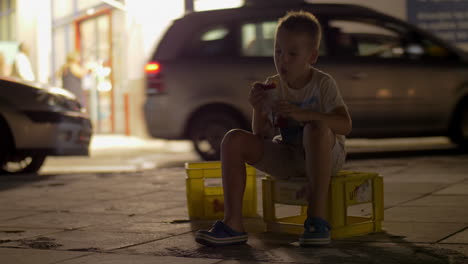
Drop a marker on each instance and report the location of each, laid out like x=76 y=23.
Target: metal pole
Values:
x=189 y=6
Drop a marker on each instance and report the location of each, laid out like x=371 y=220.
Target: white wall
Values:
x=43 y=40
x=33 y=27
x=26 y=30
x=146 y=22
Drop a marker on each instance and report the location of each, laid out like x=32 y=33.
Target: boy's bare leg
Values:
x=318 y=143
x=237 y=148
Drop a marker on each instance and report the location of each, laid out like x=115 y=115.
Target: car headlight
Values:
x=58 y=102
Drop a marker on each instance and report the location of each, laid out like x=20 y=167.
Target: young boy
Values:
x=311 y=143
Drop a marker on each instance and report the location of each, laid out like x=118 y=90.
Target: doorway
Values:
x=94 y=35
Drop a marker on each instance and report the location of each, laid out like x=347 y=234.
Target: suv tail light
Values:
x=154 y=84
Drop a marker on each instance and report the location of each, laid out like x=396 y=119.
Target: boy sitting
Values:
x=307 y=108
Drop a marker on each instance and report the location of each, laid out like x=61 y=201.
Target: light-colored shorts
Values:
x=284 y=161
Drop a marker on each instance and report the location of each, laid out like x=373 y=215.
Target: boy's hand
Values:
x=286 y=109
x=257 y=96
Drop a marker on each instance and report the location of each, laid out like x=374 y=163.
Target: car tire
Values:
x=25 y=164
x=11 y=163
x=459 y=130
x=207 y=131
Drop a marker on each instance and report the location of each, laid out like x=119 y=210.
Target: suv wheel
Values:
x=459 y=133
x=207 y=130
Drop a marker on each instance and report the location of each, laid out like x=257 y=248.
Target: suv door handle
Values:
x=359 y=76
x=252 y=79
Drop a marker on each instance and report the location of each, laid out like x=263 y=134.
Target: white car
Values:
x=37 y=121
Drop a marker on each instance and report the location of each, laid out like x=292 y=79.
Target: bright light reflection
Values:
x=201 y=5
x=90 y=11
x=105 y=86
x=147 y=21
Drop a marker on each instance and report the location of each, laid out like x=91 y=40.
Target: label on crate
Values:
x=290 y=192
x=359 y=192
x=213 y=182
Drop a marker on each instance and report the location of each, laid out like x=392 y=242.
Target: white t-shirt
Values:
x=321 y=94
x=23 y=67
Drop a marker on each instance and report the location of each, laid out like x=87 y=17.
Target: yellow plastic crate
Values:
x=205 y=192
x=355 y=204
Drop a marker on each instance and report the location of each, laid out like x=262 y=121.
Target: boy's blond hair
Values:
x=302 y=22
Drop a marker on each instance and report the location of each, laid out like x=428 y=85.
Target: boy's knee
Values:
x=316 y=129
x=314 y=132
x=233 y=137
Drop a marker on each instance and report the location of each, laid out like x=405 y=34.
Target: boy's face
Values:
x=294 y=53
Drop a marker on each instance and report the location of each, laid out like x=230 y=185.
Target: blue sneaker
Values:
x=316 y=232
x=220 y=235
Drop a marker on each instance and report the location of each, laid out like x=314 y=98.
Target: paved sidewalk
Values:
x=120 y=153
x=141 y=217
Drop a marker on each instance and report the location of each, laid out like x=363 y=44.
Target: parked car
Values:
x=397 y=80
x=37 y=121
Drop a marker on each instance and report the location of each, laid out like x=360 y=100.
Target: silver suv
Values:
x=396 y=79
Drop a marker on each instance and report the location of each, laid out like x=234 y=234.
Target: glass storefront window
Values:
x=85 y=4
x=64 y=41
x=62 y=8
x=91 y=19
x=95 y=50
x=7 y=20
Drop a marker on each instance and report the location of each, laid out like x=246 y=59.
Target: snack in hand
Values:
x=280 y=121
x=270 y=94
x=269 y=86
x=265 y=87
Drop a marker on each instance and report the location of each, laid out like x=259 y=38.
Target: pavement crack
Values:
x=150 y=241
x=179 y=221
x=91 y=249
x=426 y=194
x=12 y=231
x=40 y=243
x=452 y=234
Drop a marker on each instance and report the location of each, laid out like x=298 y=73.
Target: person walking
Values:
x=72 y=74
x=22 y=67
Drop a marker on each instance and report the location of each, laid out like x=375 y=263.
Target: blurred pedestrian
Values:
x=22 y=65
x=72 y=74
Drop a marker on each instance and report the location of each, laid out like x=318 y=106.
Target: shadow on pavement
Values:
x=9 y=181
x=274 y=247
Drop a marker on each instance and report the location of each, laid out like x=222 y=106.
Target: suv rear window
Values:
x=214 y=41
x=258 y=39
